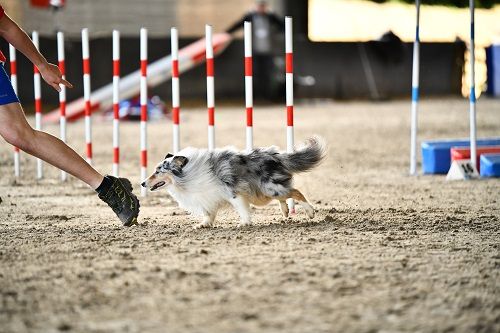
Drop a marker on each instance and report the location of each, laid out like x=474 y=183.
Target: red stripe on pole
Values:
x=62 y=67
x=248 y=66
x=116 y=155
x=62 y=106
x=89 y=150
x=250 y=116
x=211 y=117
x=144 y=67
x=13 y=67
x=289 y=115
x=175 y=115
x=144 y=113
x=86 y=66
x=175 y=68
x=35 y=70
x=38 y=105
x=210 y=67
x=116 y=111
x=116 y=67
x=88 y=108
x=144 y=158
x=16 y=149
x=289 y=62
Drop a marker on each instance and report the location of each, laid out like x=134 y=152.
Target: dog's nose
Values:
x=143 y=184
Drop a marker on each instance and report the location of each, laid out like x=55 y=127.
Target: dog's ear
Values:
x=180 y=161
x=169 y=155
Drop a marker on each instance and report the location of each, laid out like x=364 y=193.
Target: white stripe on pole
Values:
x=472 y=95
x=144 y=102
x=248 y=85
x=86 y=93
x=174 y=43
x=62 y=93
x=13 y=80
x=209 y=53
x=289 y=92
x=116 y=101
x=38 y=104
x=415 y=94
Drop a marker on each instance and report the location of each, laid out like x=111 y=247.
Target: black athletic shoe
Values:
x=120 y=198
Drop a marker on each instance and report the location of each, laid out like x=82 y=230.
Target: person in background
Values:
x=14 y=128
x=264 y=22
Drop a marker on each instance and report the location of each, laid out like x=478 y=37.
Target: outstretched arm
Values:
x=277 y=21
x=239 y=24
x=18 y=38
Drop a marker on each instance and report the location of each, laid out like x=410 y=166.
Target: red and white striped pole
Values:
x=62 y=93
x=248 y=85
x=289 y=92
x=174 y=40
x=116 y=101
x=209 y=52
x=38 y=105
x=144 y=106
x=86 y=94
x=13 y=80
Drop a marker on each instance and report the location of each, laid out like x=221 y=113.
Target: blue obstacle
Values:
x=436 y=153
x=490 y=165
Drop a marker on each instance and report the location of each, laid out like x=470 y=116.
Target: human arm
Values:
x=13 y=34
x=239 y=24
x=278 y=22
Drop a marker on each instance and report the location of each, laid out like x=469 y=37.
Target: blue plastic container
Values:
x=490 y=165
x=436 y=157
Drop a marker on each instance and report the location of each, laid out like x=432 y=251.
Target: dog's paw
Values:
x=243 y=223
x=309 y=211
x=203 y=224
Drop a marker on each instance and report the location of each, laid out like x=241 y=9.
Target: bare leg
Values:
x=243 y=208
x=15 y=130
x=208 y=220
x=284 y=208
x=295 y=194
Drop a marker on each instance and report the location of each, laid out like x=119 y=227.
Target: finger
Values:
x=66 y=83
x=56 y=87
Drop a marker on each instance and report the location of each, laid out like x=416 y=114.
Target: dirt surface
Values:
x=385 y=253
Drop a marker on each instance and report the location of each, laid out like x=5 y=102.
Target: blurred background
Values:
x=343 y=49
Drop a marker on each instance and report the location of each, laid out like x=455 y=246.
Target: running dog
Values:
x=203 y=181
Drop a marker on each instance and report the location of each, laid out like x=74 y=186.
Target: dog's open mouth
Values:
x=157 y=186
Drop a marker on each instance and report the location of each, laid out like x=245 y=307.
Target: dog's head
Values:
x=166 y=172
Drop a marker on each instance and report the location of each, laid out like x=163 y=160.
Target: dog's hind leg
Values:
x=243 y=208
x=208 y=220
x=284 y=208
x=297 y=195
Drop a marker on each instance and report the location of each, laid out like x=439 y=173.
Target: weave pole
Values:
x=116 y=101
x=86 y=94
x=472 y=95
x=13 y=80
x=144 y=106
x=289 y=92
x=248 y=85
x=62 y=93
x=209 y=52
x=38 y=105
x=415 y=94
x=174 y=43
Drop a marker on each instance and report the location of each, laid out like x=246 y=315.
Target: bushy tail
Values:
x=307 y=156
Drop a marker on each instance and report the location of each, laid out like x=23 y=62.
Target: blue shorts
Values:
x=7 y=94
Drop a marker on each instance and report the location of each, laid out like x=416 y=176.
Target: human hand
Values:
x=52 y=75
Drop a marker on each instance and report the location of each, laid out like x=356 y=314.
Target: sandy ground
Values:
x=385 y=253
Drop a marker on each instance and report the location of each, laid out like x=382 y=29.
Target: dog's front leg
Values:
x=208 y=220
x=243 y=208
